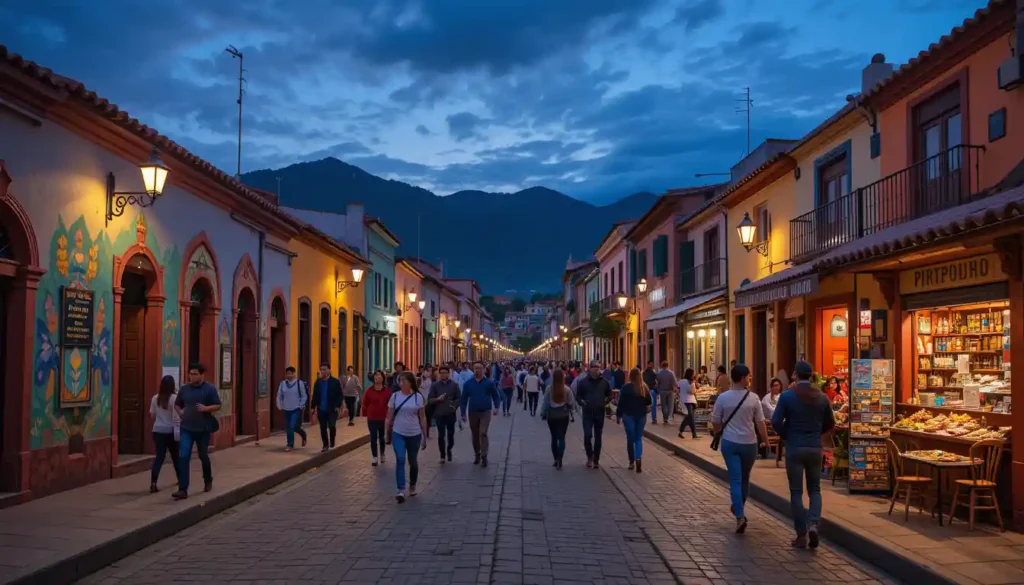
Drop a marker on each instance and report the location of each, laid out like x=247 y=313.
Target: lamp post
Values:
x=154 y=176
x=747 y=231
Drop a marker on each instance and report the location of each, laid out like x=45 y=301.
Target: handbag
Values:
x=717 y=437
x=387 y=437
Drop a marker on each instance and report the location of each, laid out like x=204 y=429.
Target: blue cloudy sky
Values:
x=595 y=98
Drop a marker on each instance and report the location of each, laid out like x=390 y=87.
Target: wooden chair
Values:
x=774 y=443
x=982 y=485
x=840 y=465
x=908 y=483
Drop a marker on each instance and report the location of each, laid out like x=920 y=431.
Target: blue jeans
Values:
x=654 y=406
x=634 y=426
x=799 y=462
x=376 y=428
x=506 y=403
x=739 y=460
x=292 y=425
x=406 y=446
x=202 y=443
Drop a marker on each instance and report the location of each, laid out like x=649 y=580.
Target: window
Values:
x=938 y=124
x=763 y=220
x=712 y=243
x=621 y=288
x=387 y=294
x=613 y=280
x=432 y=308
x=605 y=284
x=641 y=264
x=378 y=292
x=833 y=180
x=660 y=256
x=325 y=336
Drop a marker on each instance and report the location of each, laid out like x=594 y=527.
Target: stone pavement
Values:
x=61 y=537
x=914 y=550
x=518 y=521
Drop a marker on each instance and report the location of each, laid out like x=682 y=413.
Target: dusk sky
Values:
x=595 y=98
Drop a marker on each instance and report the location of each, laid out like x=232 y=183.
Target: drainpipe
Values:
x=259 y=332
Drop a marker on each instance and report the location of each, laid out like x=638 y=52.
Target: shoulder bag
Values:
x=717 y=438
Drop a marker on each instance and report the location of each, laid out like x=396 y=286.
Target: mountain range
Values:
x=506 y=241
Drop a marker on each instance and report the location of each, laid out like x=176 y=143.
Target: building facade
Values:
x=412 y=306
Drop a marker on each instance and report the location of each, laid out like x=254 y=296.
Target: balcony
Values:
x=607 y=306
x=945 y=180
x=702 y=278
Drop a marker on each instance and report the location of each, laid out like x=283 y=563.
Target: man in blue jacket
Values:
x=479 y=396
x=328 y=402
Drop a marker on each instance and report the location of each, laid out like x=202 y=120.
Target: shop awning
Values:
x=795 y=281
x=667 y=317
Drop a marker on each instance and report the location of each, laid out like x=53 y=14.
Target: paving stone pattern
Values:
x=518 y=521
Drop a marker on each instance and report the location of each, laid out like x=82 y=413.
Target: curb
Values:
x=91 y=560
x=882 y=557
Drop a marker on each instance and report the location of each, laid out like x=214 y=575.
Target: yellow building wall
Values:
x=314 y=276
x=864 y=170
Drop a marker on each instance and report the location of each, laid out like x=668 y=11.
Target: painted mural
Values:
x=79 y=259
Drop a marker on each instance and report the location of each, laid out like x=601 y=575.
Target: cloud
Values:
x=423 y=130
x=694 y=14
x=465 y=125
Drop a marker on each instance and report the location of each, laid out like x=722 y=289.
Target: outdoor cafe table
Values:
x=939 y=467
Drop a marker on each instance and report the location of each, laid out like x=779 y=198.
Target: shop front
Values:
x=706 y=336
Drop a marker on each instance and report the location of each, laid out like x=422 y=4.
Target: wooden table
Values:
x=939 y=466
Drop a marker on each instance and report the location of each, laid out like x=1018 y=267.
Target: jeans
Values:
x=558 y=427
x=634 y=426
x=445 y=433
x=689 y=420
x=202 y=443
x=506 y=403
x=376 y=428
x=654 y=406
x=799 y=462
x=739 y=460
x=519 y=394
x=164 y=443
x=328 y=421
x=668 y=404
x=293 y=425
x=533 y=398
x=350 y=404
x=479 y=423
x=406 y=446
x=593 y=427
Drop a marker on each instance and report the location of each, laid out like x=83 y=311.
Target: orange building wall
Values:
x=983 y=98
x=831 y=346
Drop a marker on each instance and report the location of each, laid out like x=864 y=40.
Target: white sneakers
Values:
x=373 y=461
x=400 y=498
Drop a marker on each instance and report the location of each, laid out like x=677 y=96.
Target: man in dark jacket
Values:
x=327 y=404
x=651 y=379
x=594 y=394
x=444 y=396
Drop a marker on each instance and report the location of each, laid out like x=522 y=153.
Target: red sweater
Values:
x=375 y=403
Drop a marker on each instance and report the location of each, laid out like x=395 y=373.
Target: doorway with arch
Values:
x=278 y=358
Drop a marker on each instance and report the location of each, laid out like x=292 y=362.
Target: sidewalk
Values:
x=913 y=551
x=66 y=536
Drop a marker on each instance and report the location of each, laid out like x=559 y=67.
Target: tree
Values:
x=518 y=305
x=525 y=343
x=602 y=326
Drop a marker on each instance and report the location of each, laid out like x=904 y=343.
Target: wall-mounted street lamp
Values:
x=412 y=302
x=357 y=277
x=642 y=286
x=747 y=230
x=154 y=176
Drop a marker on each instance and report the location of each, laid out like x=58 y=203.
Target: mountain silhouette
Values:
x=506 y=241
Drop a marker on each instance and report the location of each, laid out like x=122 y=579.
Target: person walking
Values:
x=594 y=395
x=533 y=384
x=375 y=409
x=508 y=384
x=739 y=420
x=195 y=404
x=327 y=404
x=479 y=396
x=443 y=398
x=634 y=402
x=667 y=384
x=350 y=393
x=802 y=417
x=407 y=424
x=291 y=399
x=166 y=430
x=425 y=378
x=651 y=379
x=520 y=383
x=689 y=402
x=556 y=408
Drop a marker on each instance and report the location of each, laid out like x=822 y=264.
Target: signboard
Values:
x=705 y=315
x=76 y=317
x=871 y=410
x=953 y=274
x=764 y=295
x=656 y=298
x=225 y=365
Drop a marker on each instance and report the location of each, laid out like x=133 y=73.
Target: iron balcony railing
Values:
x=608 y=305
x=703 y=278
x=945 y=180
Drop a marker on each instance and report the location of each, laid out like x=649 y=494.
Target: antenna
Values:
x=748 y=104
x=278 y=190
x=235 y=53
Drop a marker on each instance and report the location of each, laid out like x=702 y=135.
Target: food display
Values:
x=937 y=455
x=959 y=425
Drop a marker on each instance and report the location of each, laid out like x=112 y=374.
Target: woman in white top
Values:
x=407 y=424
x=771 y=399
x=532 y=384
x=689 y=401
x=166 y=429
x=738 y=416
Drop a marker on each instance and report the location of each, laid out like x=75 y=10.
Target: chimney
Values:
x=354 y=214
x=876 y=72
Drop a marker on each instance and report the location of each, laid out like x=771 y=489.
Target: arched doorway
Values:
x=245 y=363
x=139 y=303
x=202 y=322
x=305 y=347
x=199 y=295
x=325 y=336
x=278 y=357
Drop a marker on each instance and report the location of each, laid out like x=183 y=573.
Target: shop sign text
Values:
x=765 y=295
x=77 y=317
x=952 y=274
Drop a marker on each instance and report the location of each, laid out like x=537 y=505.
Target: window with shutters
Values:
x=621 y=277
x=764 y=222
x=660 y=256
x=641 y=261
x=687 y=278
x=605 y=284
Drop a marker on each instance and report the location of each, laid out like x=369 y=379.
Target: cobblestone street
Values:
x=518 y=521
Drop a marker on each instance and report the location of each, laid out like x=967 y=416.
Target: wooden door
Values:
x=760 y=378
x=131 y=390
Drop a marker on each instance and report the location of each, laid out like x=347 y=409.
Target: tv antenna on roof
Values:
x=235 y=53
x=748 y=104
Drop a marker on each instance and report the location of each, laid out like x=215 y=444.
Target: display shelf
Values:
x=998 y=419
x=938 y=437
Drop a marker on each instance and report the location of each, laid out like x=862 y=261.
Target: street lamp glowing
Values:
x=357 y=275
x=154 y=174
x=642 y=285
x=421 y=304
x=457 y=323
x=412 y=296
x=622 y=300
x=747 y=229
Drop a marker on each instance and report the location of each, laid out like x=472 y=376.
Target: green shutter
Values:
x=632 y=271
x=642 y=260
x=687 y=277
x=660 y=256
